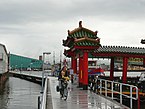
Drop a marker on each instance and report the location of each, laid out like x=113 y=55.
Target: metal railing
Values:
x=42 y=99
x=110 y=88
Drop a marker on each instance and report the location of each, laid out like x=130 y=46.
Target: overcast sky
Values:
x=30 y=27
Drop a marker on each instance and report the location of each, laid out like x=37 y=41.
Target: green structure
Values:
x=24 y=63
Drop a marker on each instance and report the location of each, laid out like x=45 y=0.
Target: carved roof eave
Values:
x=88 y=48
x=85 y=38
x=69 y=53
x=67 y=41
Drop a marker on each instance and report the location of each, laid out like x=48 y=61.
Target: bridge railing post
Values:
x=106 y=88
x=121 y=93
x=122 y=88
x=44 y=94
x=138 y=100
x=100 y=86
x=131 y=97
x=112 y=89
x=39 y=102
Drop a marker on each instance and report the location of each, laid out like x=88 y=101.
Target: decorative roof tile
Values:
x=120 y=49
x=81 y=32
x=86 y=43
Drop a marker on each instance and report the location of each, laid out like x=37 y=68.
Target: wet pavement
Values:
x=78 y=99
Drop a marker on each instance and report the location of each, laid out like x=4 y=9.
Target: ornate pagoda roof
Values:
x=82 y=32
x=81 y=37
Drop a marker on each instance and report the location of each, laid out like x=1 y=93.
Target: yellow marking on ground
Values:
x=127 y=93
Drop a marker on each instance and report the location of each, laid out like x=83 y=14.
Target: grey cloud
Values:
x=112 y=9
x=39 y=11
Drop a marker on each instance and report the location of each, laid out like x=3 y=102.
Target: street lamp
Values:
x=15 y=67
x=143 y=41
x=30 y=68
x=21 y=68
x=44 y=53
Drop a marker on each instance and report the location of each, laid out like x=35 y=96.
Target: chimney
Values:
x=40 y=58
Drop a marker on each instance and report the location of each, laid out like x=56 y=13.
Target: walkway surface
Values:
x=78 y=99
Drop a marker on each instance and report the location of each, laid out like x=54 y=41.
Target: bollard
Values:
x=39 y=102
x=138 y=99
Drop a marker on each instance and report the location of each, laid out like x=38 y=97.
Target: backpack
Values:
x=57 y=88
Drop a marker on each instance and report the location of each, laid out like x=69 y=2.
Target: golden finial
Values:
x=68 y=32
x=96 y=32
x=80 y=24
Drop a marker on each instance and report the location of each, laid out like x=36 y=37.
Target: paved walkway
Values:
x=79 y=99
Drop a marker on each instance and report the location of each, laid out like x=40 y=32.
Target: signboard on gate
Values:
x=130 y=60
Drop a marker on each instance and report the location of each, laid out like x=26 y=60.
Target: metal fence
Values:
x=42 y=99
x=114 y=88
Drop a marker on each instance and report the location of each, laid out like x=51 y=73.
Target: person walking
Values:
x=63 y=78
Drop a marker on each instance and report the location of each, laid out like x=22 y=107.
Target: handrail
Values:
x=104 y=84
x=44 y=95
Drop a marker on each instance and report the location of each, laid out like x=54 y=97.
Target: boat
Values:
x=96 y=71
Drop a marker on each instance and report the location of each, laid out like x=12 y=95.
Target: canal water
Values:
x=19 y=94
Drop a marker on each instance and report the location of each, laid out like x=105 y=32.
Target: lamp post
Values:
x=21 y=68
x=44 y=53
x=30 y=68
x=15 y=67
x=143 y=41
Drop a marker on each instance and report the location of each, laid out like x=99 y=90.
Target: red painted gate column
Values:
x=125 y=65
x=80 y=71
x=74 y=64
x=85 y=70
x=112 y=68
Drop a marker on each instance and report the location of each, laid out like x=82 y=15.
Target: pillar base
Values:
x=85 y=87
x=80 y=85
x=111 y=79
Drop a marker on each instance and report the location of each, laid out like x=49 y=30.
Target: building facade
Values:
x=24 y=63
x=3 y=59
